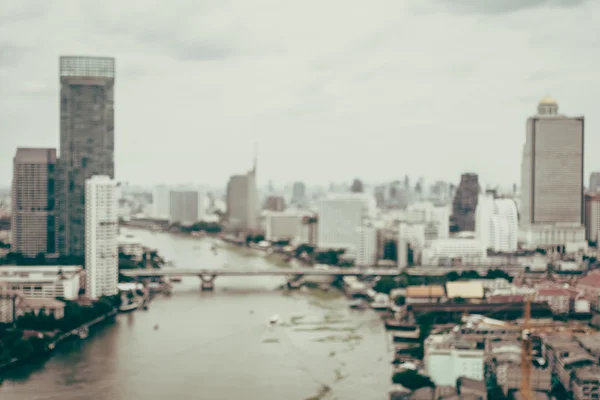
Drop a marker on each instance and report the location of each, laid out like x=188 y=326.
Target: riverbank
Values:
x=46 y=344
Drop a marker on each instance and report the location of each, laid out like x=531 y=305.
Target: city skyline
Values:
x=206 y=91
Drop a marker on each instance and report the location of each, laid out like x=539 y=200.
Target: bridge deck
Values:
x=254 y=272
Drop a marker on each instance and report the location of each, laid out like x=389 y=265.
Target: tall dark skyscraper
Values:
x=87 y=140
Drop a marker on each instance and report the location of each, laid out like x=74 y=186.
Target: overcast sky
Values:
x=331 y=90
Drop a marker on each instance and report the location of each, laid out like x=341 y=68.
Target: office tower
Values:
x=594 y=182
x=357 y=186
x=339 y=216
x=592 y=216
x=465 y=202
x=365 y=246
x=86 y=140
x=161 y=202
x=552 y=200
x=298 y=192
x=186 y=206
x=33 y=220
x=101 y=235
x=496 y=223
x=275 y=203
x=242 y=201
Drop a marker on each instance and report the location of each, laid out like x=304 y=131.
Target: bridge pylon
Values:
x=207 y=282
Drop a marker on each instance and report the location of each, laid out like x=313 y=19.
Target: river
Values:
x=218 y=345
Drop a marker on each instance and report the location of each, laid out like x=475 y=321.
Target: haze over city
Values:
x=384 y=89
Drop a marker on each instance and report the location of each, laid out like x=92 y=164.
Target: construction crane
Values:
x=526 y=351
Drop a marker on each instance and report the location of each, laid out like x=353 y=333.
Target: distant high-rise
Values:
x=594 y=182
x=161 y=202
x=552 y=197
x=101 y=235
x=86 y=140
x=242 y=201
x=465 y=202
x=357 y=186
x=186 y=206
x=298 y=192
x=275 y=203
x=33 y=202
x=340 y=215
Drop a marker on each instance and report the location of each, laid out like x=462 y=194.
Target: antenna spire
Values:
x=255 y=157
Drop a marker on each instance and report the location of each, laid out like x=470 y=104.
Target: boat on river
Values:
x=132 y=305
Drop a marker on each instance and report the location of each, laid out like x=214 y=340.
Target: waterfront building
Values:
x=288 y=225
x=102 y=227
x=497 y=223
x=592 y=216
x=186 y=206
x=131 y=245
x=161 y=202
x=242 y=201
x=42 y=282
x=552 y=191
x=86 y=141
x=448 y=358
x=33 y=219
x=365 y=246
x=340 y=215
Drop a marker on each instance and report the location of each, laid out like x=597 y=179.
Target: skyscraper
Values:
x=186 y=206
x=552 y=203
x=594 y=182
x=465 y=202
x=86 y=140
x=33 y=202
x=242 y=201
x=101 y=235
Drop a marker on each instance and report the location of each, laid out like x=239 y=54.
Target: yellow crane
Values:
x=526 y=351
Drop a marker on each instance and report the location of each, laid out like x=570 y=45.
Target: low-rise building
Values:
x=448 y=358
x=455 y=251
x=586 y=383
x=52 y=307
x=560 y=300
x=43 y=282
x=590 y=286
x=131 y=245
x=466 y=290
x=425 y=294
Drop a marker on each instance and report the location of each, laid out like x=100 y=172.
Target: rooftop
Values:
x=425 y=291
x=465 y=290
x=548 y=101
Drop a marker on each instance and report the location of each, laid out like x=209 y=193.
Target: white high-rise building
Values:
x=552 y=202
x=101 y=237
x=339 y=216
x=496 y=223
x=365 y=246
x=161 y=202
x=186 y=205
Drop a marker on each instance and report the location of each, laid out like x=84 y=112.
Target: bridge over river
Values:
x=207 y=276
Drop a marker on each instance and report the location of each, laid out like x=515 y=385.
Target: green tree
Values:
x=21 y=349
x=385 y=285
x=412 y=380
x=452 y=276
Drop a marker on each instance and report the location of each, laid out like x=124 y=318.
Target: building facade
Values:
x=275 y=203
x=552 y=177
x=186 y=206
x=497 y=223
x=592 y=216
x=340 y=215
x=33 y=219
x=86 y=140
x=594 y=182
x=365 y=246
x=102 y=231
x=42 y=282
x=289 y=225
x=242 y=202
x=465 y=202
x=161 y=202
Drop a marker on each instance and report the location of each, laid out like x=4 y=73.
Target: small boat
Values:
x=394 y=324
x=274 y=319
x=358 y=304
x=84 y=333
x=133 y=305
x=176 y=279
x=381 y=302
x=156 y=327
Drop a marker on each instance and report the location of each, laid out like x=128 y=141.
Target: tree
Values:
x=412 y=380
x=385 y=285
x=21 y=349
x=452 y=276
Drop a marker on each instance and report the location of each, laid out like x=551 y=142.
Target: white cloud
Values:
x=332 y=90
